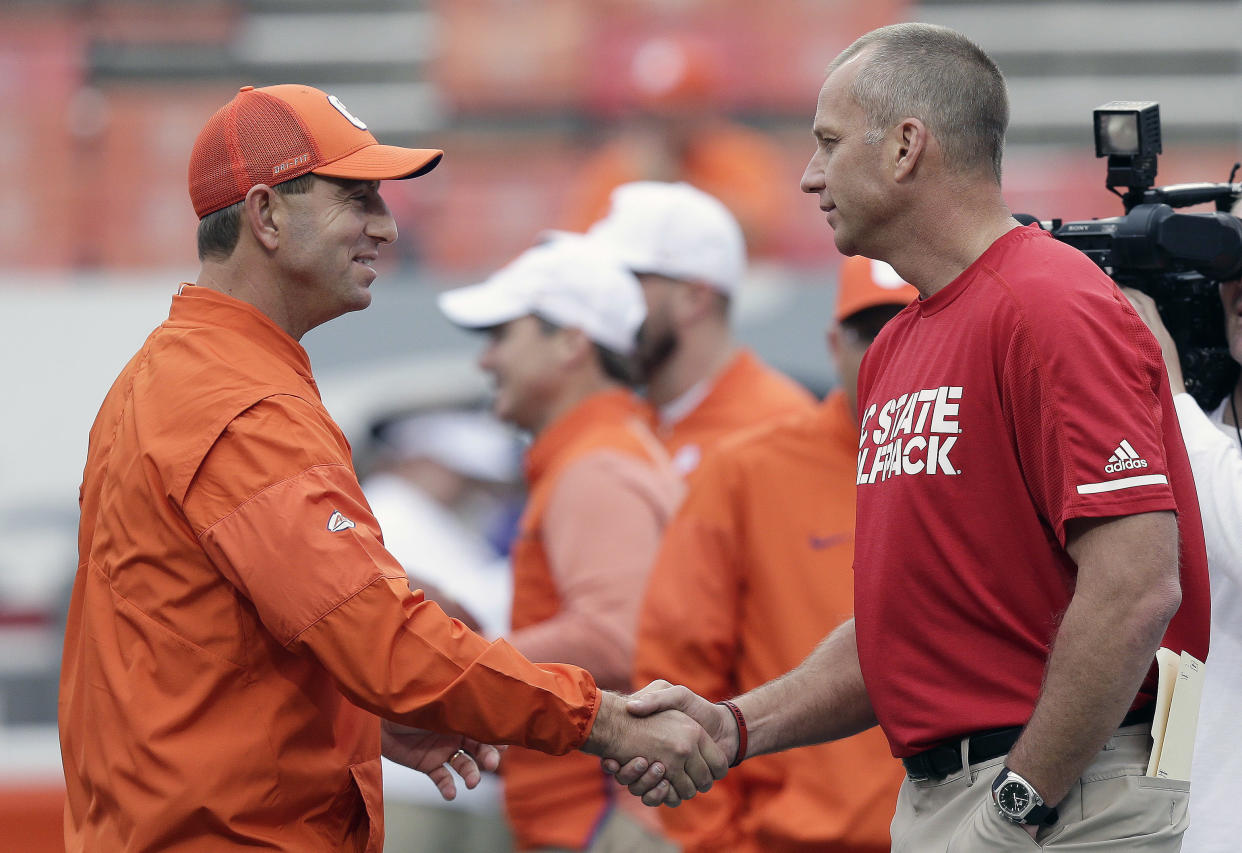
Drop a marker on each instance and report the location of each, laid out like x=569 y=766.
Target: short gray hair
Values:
x=218 y=232
x=939 y=76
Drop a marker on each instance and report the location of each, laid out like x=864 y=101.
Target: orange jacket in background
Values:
x=744 y=394
x=755 y=570
x=236 y=623
x=601 y=492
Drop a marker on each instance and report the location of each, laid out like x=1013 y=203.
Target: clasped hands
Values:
x=664 y=743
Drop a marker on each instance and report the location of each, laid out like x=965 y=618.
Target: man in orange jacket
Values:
x=236 y=624
x=688 y=251
x=562 y=321
x=755 y=569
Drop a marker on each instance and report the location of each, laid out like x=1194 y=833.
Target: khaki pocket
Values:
x=985 y=831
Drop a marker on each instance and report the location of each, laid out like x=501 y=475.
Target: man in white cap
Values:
x=562 y=320
x=236 y=627
x=688 y=251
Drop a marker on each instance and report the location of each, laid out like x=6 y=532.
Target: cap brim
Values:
x=383 y=163
x=482 y=306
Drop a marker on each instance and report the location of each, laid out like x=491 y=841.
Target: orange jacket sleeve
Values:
x=287 y=525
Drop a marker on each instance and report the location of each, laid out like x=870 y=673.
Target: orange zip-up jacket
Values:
x=754 y=571
x=601 y=492
x=744 y=394
x=236 y=623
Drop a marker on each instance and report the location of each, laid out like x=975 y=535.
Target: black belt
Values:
x=939 y=761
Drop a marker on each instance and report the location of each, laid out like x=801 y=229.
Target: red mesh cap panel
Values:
x=254 y=139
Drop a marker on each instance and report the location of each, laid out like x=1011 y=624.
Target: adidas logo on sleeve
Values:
x=1124 y=458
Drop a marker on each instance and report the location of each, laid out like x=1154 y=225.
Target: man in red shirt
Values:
x=1028 y=533
x=236 y=627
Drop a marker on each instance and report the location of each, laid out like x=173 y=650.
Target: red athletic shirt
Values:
x=1025 y=393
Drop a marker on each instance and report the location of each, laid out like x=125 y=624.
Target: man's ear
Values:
x=261 y=216
x=912 y=141
x=574 y=345
x=695 y=299
x=833 y=337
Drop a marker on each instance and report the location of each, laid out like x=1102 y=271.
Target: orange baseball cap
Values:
x=864 y=283
x=278 y=133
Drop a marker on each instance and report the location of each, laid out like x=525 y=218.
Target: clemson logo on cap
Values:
x=353 y=119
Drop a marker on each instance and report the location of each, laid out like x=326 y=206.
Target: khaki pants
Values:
x=1113 y=807
x=621 y=834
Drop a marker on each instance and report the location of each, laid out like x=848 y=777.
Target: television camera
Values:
x=1176 y=258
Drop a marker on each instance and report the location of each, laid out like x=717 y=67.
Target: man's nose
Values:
x=812 y=176
x=381 y=226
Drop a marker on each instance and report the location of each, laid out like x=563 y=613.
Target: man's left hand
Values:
x=433 y=753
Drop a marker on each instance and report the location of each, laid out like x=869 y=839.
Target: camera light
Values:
x=1127 y=129
x=1119 y=133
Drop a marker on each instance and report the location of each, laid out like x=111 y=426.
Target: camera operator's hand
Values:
x=1146 y=308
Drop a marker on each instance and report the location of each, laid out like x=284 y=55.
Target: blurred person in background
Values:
x=689 y=253
x=443 y=484
x=755 y=569
x=1011 y=584
x=674 y=130
x=236 y=628
x=562 y=321
x=437 y=484
x=1214 y=443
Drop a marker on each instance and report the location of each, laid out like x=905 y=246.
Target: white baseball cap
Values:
x=569 y=281
x=674 y=230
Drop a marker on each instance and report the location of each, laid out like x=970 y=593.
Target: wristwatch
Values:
x=1018 y=801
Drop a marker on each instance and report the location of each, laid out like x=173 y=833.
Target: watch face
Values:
x=1014 y=798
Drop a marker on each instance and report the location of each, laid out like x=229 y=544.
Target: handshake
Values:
x=664 y=742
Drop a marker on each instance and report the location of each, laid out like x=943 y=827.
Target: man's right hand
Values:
x=646 y=780
x=669 y=747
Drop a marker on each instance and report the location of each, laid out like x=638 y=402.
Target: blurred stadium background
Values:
x=102 y=100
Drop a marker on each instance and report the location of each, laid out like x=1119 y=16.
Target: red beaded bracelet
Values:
x=741 y=731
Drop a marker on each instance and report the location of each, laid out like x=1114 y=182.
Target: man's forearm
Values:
x=1103 y=650
x=823 y=699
